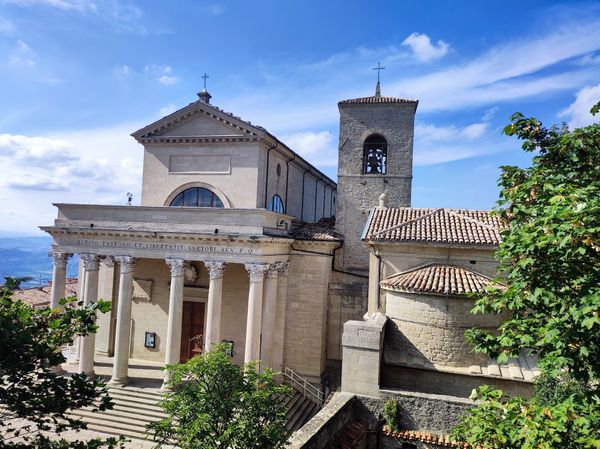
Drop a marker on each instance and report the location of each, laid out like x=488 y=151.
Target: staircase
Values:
x=134 y=408
x=300 y=410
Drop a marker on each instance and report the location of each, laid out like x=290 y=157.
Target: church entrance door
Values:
x=192 y=330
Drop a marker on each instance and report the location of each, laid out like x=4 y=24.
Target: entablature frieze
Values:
x=159 y=247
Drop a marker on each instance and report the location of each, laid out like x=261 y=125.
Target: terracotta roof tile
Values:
x=40 y=296
x=452 y=226
x=439 y=279
x=377 y=99
x=324 y=229
x=432 y=439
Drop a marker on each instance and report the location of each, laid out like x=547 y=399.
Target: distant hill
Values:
x=28 y=256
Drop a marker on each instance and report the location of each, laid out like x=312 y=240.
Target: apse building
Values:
x=239 y=240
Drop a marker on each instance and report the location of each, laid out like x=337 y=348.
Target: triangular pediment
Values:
x=198 y=121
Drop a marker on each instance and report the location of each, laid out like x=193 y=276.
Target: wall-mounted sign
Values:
x=228 y=347
x=150 y=340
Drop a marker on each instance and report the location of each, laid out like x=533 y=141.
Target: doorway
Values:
x=192 y=330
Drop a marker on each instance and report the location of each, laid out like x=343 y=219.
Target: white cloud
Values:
x=87 y=166
x=167 y=80
x=434 y=133
x=216 y=10
x=118 y=13
x=166 y=110
x=6 y=27
x=320 y=148
x=578 y=113
x=22 y=56
x=162 y=73
x=589 y=59
x=122 y=71
x=423 y=49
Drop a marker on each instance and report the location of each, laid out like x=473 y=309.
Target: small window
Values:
x=375 y=155
x=278 y=170
x=196 y=197
x=276 y=204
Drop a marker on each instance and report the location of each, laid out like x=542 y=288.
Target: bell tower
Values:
x=375 y=157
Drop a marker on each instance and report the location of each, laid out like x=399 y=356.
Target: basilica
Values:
x=239 y=240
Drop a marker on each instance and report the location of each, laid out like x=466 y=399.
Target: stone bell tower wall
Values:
x=359 y=192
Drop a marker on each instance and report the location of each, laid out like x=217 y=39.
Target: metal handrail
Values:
x=302 y=385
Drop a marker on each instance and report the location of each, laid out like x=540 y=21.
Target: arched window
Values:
x=375 y=155
x=197 y=197
x=276 y=204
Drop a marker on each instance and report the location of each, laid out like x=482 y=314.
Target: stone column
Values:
x=106 y=328
x=268 y=316
x=59 y=278
x=280 y=309
x=254 y=317
x=123 y=332
x=173 y=347
x=90 y=296
x=212 y=334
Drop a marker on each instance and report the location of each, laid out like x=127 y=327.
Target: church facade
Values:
x=239 y=240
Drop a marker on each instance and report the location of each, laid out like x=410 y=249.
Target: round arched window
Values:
x=276 y=204
x=375 y=155
x=196 y=197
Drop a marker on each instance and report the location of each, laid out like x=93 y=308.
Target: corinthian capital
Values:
x=272 y=271
x=282 y=268
x=59 y=259
x=256 y=271
x=126 y=263
x=177 y=266
x=215 y=269
x=90 y=261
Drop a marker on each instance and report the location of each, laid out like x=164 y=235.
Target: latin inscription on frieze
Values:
x=154 y=246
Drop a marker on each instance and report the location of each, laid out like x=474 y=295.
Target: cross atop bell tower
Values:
x=378 y=87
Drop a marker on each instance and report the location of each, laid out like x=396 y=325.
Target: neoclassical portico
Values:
x=263 y=257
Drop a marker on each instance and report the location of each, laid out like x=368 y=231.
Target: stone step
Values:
x=123 y=413
x=136 y=402
x=108 y=426
x=136 y=392
x=138 y=411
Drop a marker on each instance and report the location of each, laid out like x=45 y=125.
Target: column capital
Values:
x=177 y=266
x=90 y=261
x=59 y=259
x=215 y=269
x=256 y=271
x=282 y=268
x=126 y=263
x=109 y=261
x=272 y=271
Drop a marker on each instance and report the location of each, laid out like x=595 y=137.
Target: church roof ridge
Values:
x=442 y=225
x=378 y=99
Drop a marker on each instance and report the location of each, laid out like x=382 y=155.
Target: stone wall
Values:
x=321 y=431
x=306 y=311
x=439 y=382
x=428 y=330
x=420 y=411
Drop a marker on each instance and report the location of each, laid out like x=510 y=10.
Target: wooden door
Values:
x=192 y=330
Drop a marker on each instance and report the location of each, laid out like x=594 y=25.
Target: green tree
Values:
x=34 y=401
x=217 y=404
x=550 y=255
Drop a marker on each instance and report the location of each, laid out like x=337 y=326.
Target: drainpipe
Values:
x=267 y=174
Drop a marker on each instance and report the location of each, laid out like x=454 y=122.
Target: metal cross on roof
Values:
x=379 y=69
x=205 y=76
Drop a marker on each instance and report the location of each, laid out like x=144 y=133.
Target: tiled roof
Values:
x=440 y=279
x=324 y=229
x=377 y=99
x=429 y=438
x=40 y=296
x=451 y=226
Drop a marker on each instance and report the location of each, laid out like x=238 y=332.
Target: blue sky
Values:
x=78 y=76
